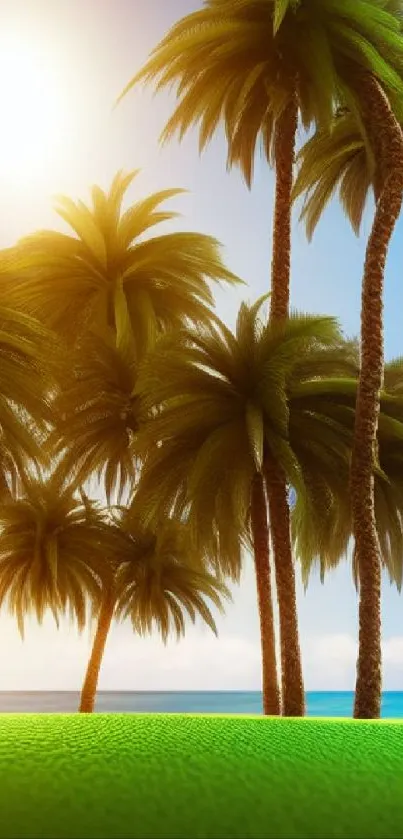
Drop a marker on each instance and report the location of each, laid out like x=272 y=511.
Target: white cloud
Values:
x=393 y=651
x=330 y=662
x=55 y=660
x=198 y=662
x=339 y=649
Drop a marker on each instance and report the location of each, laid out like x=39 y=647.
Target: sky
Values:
x=80 y=54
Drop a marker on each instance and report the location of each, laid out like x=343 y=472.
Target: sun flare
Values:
x=32 y=114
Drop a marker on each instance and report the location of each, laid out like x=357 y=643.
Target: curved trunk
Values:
x=293 y=698
x=89 y=688
x=292 y=684
x=367 y=550
x=260 y=535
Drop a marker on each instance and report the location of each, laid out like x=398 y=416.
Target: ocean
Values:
x=319 y=704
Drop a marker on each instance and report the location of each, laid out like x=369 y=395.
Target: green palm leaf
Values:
x=216 y=400
x=321 y=429
x=242 y=62
x=53 y=553
x=30 y=364
x=164 y=578
x=97 y=415
x=108 y=275
x=336 y=158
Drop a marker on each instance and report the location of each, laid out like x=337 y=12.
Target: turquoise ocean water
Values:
x=319 y=704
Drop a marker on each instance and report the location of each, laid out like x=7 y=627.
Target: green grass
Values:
x=198 y=776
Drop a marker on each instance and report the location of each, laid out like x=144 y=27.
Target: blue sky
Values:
x=91 y=48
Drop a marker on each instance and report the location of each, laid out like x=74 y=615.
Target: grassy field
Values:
x=105 y=776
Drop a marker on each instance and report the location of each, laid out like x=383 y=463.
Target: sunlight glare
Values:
x=32 y=115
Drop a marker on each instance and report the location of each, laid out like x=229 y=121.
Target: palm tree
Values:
x=53 y=552
x=160 y=578
x=219 y=403
x=258 y=64
x=319 y=444
x=350 y=167
x=96 y=416
x=108 y=274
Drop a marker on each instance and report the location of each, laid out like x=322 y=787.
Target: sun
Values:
x=32 y=128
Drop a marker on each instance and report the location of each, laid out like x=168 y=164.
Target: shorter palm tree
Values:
x=108 y=273
x=219 y=403
x=160 y=578
x=53 y=552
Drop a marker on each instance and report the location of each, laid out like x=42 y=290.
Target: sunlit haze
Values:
x=62 y=65
x=34 y=107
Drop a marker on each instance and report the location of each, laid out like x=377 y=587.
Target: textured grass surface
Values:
x=198 y=776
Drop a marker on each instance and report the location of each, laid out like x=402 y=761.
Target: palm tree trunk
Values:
x=367 y=550
x=271 y=693
x=292 y=684
x=284 y=153
x=89 y=688
x=293 y=698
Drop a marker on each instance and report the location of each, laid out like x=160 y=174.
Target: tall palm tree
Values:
x=319 y=444
x=159 y=579
x=258 y=64
x=387 y=141
x=222 y=404
x=53 y=552
x=342 y=159
x=108 y=274
x=387 y=179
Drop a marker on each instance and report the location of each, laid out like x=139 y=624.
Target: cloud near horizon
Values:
x=52 y=660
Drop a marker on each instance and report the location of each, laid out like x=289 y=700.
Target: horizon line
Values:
x=176 y=691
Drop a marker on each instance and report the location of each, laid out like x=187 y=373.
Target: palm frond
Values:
x=241 y=64
x=216 y=401
x=107 y=275
x=338 y=157
x=321 y=432
x=96 y=417
x=30 y=367
x=55 y=552
x=164 y=579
